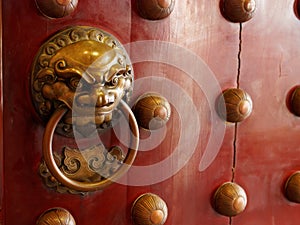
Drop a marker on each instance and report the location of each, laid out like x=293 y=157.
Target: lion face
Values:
x=90 y=78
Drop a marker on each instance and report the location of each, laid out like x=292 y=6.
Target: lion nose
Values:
x=100 y=99
x=104 y=99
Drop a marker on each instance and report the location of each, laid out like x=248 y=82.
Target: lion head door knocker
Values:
x=81 y=81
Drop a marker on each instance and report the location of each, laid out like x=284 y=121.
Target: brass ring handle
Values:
x=85 y=186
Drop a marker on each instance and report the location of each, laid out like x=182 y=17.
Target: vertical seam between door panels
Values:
x=238 y=86
x=239 y=56
x=234 y=152
x=236 y=124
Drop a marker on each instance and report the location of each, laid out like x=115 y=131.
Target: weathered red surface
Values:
x=267 y=142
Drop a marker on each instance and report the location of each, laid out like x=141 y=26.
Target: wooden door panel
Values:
x=267 y=141
x=26 y=197
x=204 y=32
x=262 y=149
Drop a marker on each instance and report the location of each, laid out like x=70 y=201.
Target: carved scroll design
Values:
x=89 y=165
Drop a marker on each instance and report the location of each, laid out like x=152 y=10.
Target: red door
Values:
x=189 y=57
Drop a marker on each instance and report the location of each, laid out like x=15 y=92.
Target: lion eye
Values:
x=115 y=80
x=75 y=83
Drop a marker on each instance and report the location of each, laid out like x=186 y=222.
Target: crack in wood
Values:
x=238 y=86
x=234 y=152
x=239 y=56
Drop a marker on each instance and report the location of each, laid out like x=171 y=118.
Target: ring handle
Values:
x=86 y=186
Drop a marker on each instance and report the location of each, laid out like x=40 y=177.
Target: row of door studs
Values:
x=236 y=11
x=229 y=200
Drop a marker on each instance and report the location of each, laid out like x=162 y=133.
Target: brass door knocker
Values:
x=81 y=81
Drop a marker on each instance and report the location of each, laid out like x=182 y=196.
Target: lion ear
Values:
x=46 y=75
x=59 y=91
